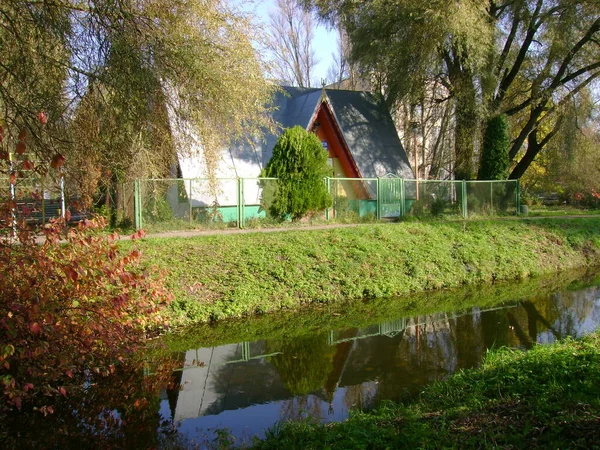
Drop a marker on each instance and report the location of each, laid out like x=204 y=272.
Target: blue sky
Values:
x=324 y=42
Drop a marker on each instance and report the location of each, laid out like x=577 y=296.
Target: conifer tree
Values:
x=494 y=155
x=299 y=163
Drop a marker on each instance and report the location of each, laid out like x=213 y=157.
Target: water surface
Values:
x=248 y=375
x=247 y=387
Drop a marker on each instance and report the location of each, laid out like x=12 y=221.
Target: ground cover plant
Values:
x=547 y=397
x=215 y=277
x=562 y=210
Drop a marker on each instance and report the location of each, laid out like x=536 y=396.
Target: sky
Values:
x=324 y=41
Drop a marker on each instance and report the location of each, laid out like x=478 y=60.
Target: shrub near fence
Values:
x=39 y=199
x=169 y=204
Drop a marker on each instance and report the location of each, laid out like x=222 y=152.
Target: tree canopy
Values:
x=107 y=72
x=524 y=58
x=291 y=45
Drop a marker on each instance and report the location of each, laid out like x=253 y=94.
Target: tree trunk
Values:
x=464 y=141
x=533 y=148
x=437 y=151
x=466 y=118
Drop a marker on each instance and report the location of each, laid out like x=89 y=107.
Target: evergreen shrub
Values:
x=299 y=162
x=494 y=158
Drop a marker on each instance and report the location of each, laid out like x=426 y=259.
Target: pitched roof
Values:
x=364 y=120
x=370 y=133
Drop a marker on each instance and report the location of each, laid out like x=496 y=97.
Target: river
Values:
x=235 y=380
x=247 y=387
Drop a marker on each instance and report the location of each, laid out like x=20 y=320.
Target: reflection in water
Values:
x=248 y=387
x=304 y=364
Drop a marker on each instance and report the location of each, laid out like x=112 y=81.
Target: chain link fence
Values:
x=36 y=199
x=467 y=199
x=492 y=198
x=172 y=204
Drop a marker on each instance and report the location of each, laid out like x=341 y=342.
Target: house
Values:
x=355 y=128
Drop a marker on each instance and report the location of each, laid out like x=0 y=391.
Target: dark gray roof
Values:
x=299 y=109
x=363 y=118
x=364 y=121
x=370 y=133
x=291 y=106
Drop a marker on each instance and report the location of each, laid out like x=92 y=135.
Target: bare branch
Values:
x=290 y=43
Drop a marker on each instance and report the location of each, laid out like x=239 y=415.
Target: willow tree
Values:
x=404 y=47
x=107 y=72
x=523 y=58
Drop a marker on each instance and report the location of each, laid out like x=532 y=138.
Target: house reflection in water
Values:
x=248 y=387
x=224 y=378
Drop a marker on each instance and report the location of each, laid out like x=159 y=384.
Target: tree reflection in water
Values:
x=303 y=365
x=321 y=375
x=116 y=411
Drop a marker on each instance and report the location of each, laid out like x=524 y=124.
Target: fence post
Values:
x=492 y=196
x=43 y=202
x=246 y=351
x=240 y=202
x=62 y=195
x=464 y=199
x=328 y=210
x=190 y=199
x=378 y=199
x=137 y=205
x=13 y=210
x=237 y=202
x=402 y=199
x=518 y=194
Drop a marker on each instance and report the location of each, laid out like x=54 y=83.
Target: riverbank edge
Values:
x=230 y=276
x=546 y=397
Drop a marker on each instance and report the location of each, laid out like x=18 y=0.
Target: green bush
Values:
x=299 y=162
x=345 y=211
x=419 y=208
x=157 y=210
x=474 y=204
x=494 y=157
x=439 y=206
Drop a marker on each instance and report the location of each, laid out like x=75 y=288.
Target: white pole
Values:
x=12 y=195
x=62 y=195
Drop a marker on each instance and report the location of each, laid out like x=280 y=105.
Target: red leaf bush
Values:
x=71 y=310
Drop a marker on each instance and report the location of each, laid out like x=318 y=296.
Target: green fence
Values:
x=237 y=202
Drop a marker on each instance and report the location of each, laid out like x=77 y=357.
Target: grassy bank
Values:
x=215 y=277
x=548 y=397
x=291 y=325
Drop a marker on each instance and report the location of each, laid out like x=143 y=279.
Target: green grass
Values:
x=548 y=397
x=559 y=210
x=225 y=276
x=253 y=223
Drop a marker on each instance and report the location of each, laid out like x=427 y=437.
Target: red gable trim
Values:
x=339 y=148
x=330 y=131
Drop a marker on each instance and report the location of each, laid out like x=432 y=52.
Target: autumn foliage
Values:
x=72 y=308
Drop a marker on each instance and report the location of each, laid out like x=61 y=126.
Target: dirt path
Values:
x=194 y=233
x=233 y=231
